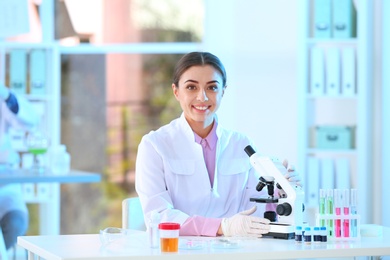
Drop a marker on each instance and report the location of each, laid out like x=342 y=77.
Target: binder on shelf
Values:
x=317 y=72
x=313 y=180
x=327 y=174
x=18 y=71
x=344 y=19
x=37 y=72
x=322 y=24
x=342 y=173
x=348 y=79
x=333 y=72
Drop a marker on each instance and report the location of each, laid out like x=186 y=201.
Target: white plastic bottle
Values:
x=154 y=237
x=59 y=160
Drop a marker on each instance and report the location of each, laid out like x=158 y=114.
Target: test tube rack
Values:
x=340 y=227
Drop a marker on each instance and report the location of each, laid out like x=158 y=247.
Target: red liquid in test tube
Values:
x=346 y=212
x=338 y=205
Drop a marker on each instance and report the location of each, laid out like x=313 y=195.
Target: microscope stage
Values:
x=281 y=231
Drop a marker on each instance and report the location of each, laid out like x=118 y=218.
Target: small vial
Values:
x=307 y=235
x=316 y=234
x=324 y=234
x=154 y=237
x=298 y=234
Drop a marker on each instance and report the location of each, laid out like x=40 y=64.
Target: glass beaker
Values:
x=37 y=144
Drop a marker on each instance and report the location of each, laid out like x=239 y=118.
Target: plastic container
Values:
x=59 y=160
x=324 y=234
x=226 y=243
x=169 y=237
x=307 y=237
x=317 y=234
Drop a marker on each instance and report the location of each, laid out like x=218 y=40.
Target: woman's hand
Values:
x=243 y=224
x=292 y=175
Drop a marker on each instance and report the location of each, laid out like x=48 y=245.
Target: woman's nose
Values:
x=202 y=96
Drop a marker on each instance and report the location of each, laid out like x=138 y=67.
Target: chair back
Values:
x=132 y=214
x=3 y=250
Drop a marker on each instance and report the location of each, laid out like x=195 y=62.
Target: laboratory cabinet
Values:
x=334 y=81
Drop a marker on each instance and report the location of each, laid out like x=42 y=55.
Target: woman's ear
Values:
x=223 y=90
x=175 y=91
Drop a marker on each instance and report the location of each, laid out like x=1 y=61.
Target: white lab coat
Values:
x=171 y=174
x=10 y=194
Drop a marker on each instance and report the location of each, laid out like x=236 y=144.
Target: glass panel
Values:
x=108 y=103
x=129 y=21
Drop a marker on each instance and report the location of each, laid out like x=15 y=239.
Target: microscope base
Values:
x=281 y=231
x=280 y=235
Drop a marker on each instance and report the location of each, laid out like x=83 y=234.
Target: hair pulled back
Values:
x=198 y=59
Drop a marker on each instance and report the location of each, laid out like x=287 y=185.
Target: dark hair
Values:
x=198 y=59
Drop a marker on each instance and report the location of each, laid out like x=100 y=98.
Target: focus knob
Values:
x=284 y=209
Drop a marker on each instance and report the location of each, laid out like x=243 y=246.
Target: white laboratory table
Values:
x=50 y=207
x=135 y=246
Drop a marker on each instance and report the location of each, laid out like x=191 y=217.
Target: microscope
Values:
x=290 y=206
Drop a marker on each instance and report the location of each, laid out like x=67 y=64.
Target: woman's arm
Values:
x=201 y=226
x=151 y=185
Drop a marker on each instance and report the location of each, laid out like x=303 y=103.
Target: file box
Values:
x=334 y=137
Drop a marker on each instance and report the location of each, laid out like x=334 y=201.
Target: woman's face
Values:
x=199 y=93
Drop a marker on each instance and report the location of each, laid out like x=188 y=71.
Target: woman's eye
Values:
x=191 y=87
x=213 y=87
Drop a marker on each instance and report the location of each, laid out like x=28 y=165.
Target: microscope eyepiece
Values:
x=249 y=150
x=260 y=186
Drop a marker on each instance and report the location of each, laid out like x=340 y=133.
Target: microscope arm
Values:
x=271 y=167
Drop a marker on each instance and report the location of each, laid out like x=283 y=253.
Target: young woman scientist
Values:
x=195 y=172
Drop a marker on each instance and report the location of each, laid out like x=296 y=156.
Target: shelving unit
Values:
x=46 y=194
x=49 y=101
x=324 y=109
x=47 y=105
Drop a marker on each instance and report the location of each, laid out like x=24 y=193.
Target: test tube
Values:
x=337 y=204
x=322 y=210
x=346 y=212
x=353 y=209
x=329 y=210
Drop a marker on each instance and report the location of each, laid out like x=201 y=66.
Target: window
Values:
x=116 y=76
x=130 y=21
